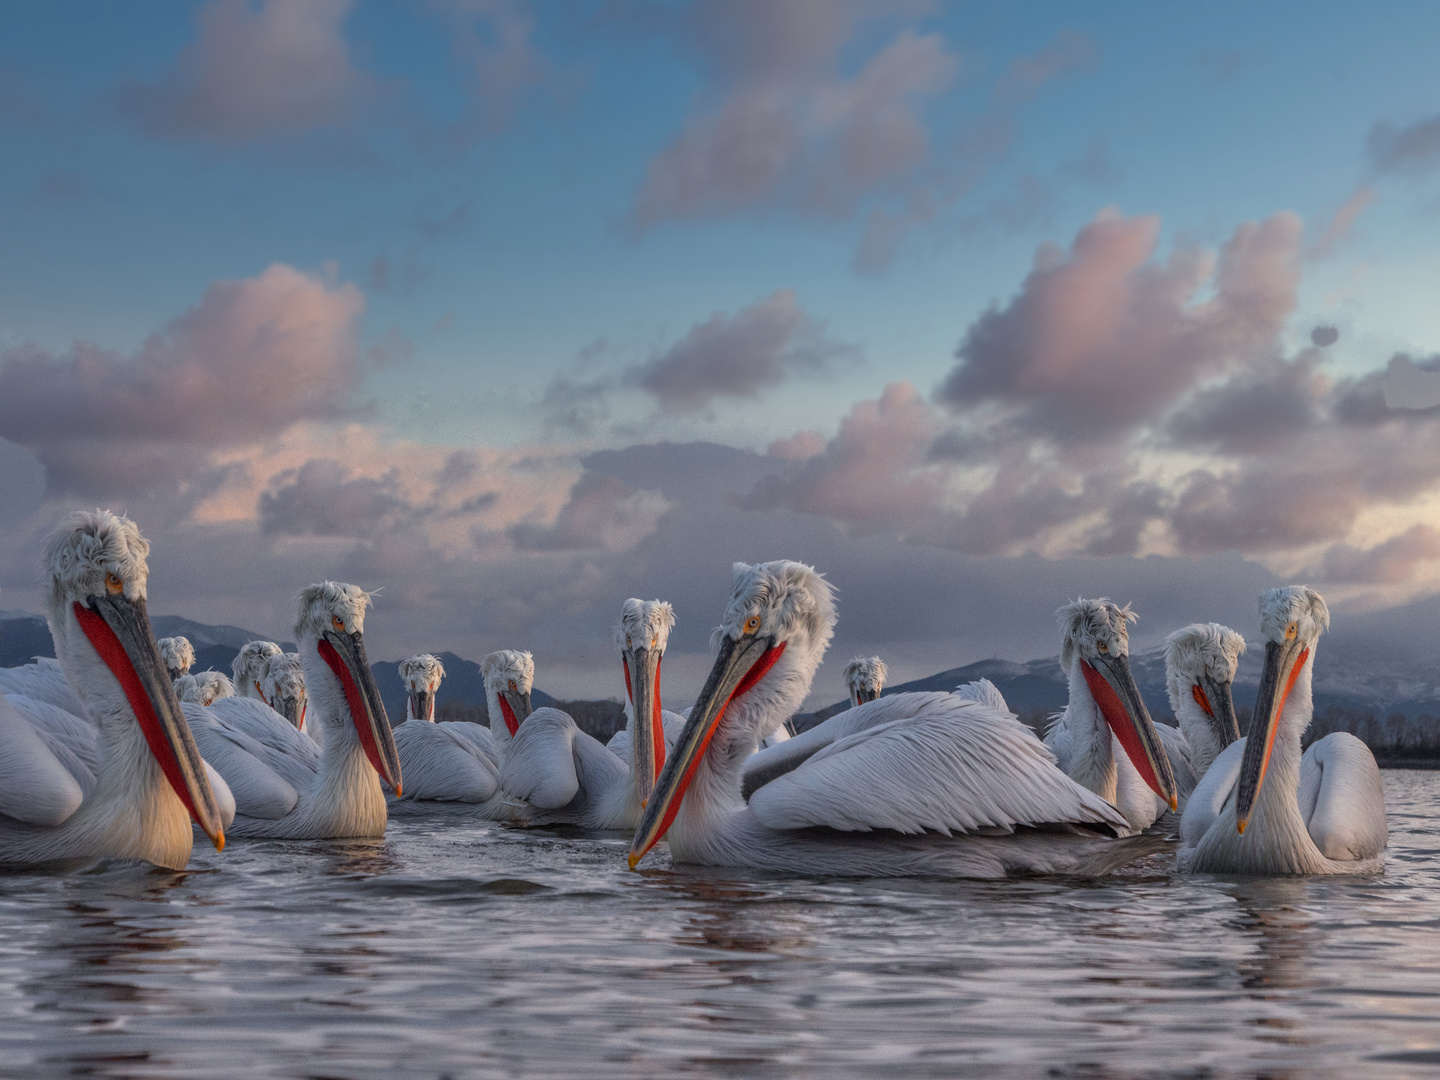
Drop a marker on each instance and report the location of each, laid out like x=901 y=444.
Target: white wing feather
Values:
x=284 y=748
x=539 y=764
x=441 y=764
x=1210 y=794
x=35 y=787
x=257 y=789
x=1342 y=799
x=950 y=766
x=44 y=681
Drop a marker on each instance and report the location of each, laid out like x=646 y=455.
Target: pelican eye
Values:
x=113 y=584
x=752 y=624
x=512 y=684
x=1291 y=631
x=628 y=643
x=654 y=641
x=336 y=623
x=1103 y=647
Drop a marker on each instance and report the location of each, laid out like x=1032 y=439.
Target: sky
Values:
x=514 y=310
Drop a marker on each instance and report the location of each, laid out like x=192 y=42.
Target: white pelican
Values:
x=942 y=786
x=1105 y=739
x=438 y=761
x=1200 y=663
x=641 y=635
x=148 y=778
x=865 y=678
x=178 y=654
x=282 y=686
x=203 y=687
x=248 y=665
x=1262 y=808
x=283 y=785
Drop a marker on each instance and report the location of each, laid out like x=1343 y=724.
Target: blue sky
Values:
x=482 y=178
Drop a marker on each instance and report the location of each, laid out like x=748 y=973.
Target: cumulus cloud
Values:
x=783 y=121
x=1103 y=337
x=1125 y=406
x=254 y=357
x=280 y=68
x=602 y=512
x=738 y=356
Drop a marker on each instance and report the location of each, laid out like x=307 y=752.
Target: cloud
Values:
x=1414 y=148
x=493 y=41
x=1342 y=223
x=254 y=357
x=322 y=499
x=1103 y=337
x=738 y=356
x=277 y=69
x=1409 y=385
x=602 y=512
x=783 y=122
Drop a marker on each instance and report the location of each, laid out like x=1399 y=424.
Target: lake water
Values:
x=457 y=948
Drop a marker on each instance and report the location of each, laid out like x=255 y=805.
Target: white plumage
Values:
x=440 y=762
x=283 y=785
x=81 y=772
x=865 y=678
x=1278 y=812
x=908 y=784
x=282 y=687
x=249 y=665
x=203 y=687
x=178 y=654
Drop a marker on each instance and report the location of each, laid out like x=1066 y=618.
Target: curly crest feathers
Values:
x=89 y=545
x=1084 y=623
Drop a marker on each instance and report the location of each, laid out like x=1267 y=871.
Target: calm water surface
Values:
x=461 y=949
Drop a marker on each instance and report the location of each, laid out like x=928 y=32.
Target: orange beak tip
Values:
x=220 y=841
x=634 y=859
x=399 y=791
x=1174 y=803
x=1241 y=826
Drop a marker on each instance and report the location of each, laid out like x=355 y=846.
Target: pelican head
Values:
x=247 y=666
x=421 y=676
x=777 y=626
x=865 y=678
x=509 y=678
x=1292 y=619
x=1200 y=662
x=282 y=682
x=1096 y=638
x=329 y=626
x=97 y=571
x=178 y=654
x=203 y=687
x=641 y=636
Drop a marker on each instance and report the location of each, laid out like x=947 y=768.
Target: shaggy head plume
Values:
x=422 y=672
x=646 y=623
x=178 y=654
x=1086 y=624
x=506 y=666
x=203 y=687
x=1298 y=604
x=90 y=545
x=318 y=604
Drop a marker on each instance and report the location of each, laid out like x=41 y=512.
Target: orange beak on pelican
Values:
x=742 y=663
x=344 y=653
x=1284 y=660
x=1113 y=687
x=642 y=683
x=118 y=628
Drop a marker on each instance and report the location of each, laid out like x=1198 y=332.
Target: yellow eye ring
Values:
x=752 y=624
x=1292 y=630
x=1102 y=647
x=336 y=623
x=114 y=584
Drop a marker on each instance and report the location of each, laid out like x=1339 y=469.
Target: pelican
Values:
x=438 y=761
x=1200 y=663
x=283 y=785
x=865 y=678
x=178 y=654
x=1105 y=739
x=148 y=780
x=247 y=666
x=203 y=687
x=282 y=685
x=938 y=785
x=1262 y=808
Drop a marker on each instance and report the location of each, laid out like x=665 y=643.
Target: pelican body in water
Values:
x=1200 y=663
x=283 y=785
x=178 y=654
x=1262 y=808
x=439 y=761
x=148 y=782
x=937 y=784
x=865 y=678
x=1105 y=739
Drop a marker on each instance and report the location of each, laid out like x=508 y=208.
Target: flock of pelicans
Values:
x=113 y=749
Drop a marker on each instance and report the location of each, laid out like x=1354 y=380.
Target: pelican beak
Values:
x=291 y=710
x=422 y=705
x=642 y=682
x=119 y=630
x=741 y=664
x=345 y=655
x=514 y=707
x=863 y=694
x=1284 y=660
x=1113 y=687
x=1213 y=696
